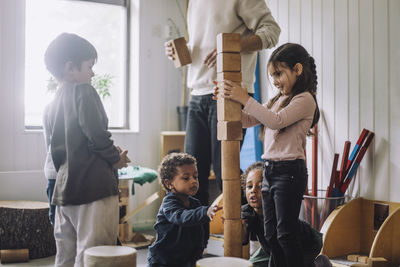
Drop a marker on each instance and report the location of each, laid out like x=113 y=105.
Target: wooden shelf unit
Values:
x=349 y=229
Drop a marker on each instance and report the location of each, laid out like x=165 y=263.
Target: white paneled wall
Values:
x=355 y=44
x=159 y=93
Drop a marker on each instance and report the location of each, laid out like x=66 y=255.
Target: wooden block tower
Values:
x=230 y=134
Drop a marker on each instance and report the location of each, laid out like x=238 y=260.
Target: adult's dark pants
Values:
x=202 y=143
x=284 y=183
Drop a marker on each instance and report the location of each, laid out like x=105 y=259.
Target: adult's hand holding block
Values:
x=181 y=52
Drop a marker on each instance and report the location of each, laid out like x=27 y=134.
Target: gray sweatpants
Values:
x=78 y=227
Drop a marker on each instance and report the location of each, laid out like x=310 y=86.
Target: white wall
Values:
x=356 y=47
x=355 y=44
x=159 y=83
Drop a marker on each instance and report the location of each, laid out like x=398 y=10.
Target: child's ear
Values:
x=69 y=70
x=168 y=184
x=298 y=68
x=68 y=67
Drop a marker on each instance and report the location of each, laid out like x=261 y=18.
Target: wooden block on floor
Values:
x=125 y=232
x=228 y=42
x=14 y=255
x=228 y=62
x=234 y=76
x=182 y=54
x=378 y=262
x=363 y=259
x=228 y=110
x=353 y=257
x=229 y=131
x=246 y=251
x=359 y=264
x=140 y=241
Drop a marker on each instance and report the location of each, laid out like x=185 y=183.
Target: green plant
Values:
x=102 y=84
x=51 y=85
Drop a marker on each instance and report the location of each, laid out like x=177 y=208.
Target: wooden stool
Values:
x=223 y=262
x=26 y=225
x=110 y=256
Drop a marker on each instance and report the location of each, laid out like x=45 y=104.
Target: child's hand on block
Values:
x=212 y=210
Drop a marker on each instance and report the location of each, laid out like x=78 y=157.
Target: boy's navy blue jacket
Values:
x=310 y=239
x=179 y=240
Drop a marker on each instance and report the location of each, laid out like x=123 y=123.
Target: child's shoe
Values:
x=322 y=261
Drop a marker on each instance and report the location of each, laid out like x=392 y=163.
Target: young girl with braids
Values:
x=288 y=118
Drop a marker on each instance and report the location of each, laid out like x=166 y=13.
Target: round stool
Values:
x=223 y=262
x=110 y=256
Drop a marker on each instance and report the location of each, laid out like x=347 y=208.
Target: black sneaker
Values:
x=322 y=261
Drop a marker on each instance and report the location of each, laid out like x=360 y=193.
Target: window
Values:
x=105 y=24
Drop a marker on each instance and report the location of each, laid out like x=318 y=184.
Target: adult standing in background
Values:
x=206 y=19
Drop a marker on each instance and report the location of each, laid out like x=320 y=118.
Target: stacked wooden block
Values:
x=230 y=134
x=364 y=261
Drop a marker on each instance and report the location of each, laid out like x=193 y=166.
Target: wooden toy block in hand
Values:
x=182 y=55
x=228 y=42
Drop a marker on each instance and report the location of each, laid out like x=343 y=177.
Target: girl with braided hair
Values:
x=287 y=118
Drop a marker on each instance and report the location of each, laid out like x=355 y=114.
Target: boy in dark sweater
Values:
x=84 y=155
x=180 y=219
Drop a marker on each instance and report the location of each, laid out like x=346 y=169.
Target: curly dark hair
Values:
x=168 y=167
x=258 y=165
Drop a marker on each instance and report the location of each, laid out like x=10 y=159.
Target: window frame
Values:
x=127 y=111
